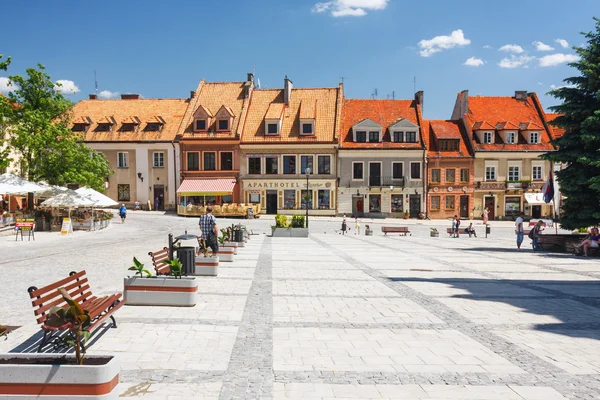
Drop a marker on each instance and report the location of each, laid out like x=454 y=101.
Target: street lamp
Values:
x=307 y=172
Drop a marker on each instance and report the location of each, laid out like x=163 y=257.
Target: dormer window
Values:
x=202 y=119
x=411 y=137
x=200 y=125
x=80 y=127
x=223 y=125
x=404 y=130
x=511 y=137
x=272 y=129
x=397 y=137
x=224 y=118
x=488 y=137
x=307 y=128
x=104 y=127
x=308 y=115
x=534 y=137
x=360 y=137
x=128 y=127
x=449 y=145
x=273 y=119
x=374 y=136
x=153 y=127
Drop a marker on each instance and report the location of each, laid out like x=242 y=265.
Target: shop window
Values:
x=254 y=166
x=464 y=175
x=397 y=205
x=271 y=164
x=227 y=199
x=374 y=203
x=210 y=161
x=357 y=171
x=323 y=197
x=289 y=199
x=193 y=161
x=324 y=164
x=307 y=197
x=226 y=161
x=450 y=175
x=449 y=202
x=435 y=202
x=123 y=192
x=512 y=206
x=435 y=176
x=306 y=162
x=289 y=165
x=254 y=198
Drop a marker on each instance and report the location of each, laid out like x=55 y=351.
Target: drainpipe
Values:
x=175 y=173
x=425 y=176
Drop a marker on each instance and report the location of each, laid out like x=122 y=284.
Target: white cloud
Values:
x=539 y=46
x=561 y=86
x=512 y=48
x=66 y=87
x=6 y=85
x=107 y=94
x=563 y=43
x=439 y=43
x=349 y=8
x=474 y=62
x=487 y=46
x=515 y=61
x=557 y=59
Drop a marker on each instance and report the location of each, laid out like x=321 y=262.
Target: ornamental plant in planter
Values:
x=368 y=231
x=284 y=229
x=205 y=265
x=225 y=253
x=61 y=375
x=406 y=214
x=229 y=243
x=143 y=289
x=434 y=232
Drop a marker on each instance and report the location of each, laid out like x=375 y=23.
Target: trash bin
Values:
x=187 y=256
x=238 y=236
x=488 y=229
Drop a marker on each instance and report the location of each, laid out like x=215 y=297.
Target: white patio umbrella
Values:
x=99 y=199
x=13 y=184
x=69 y=199
x=52 y=190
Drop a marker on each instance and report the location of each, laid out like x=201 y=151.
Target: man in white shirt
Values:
x=519 y=230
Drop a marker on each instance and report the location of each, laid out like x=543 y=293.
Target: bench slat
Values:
x=157 y=261
x=59 y=302
x=56 y=285
x=68 y=288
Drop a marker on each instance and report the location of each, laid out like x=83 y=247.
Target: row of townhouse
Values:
x=232 y=143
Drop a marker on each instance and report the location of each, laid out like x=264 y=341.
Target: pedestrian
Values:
x=344 y=225
x=123 y=213
x=356 y=226
x=471 y=230
x=486 y=215
x=519 y=230
x=156 y=203
x=534 y=234
x=456 y=226
x=209 y=231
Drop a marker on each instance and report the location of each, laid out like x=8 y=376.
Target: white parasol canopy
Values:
x=69 y=199
x=99 y=199
x=13 y=184
x=52 y=190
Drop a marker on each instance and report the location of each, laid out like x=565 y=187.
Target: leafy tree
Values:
x=5 y=159
x=40 y=134
x=579 y=147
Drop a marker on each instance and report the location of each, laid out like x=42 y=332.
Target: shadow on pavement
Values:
x=31 y=344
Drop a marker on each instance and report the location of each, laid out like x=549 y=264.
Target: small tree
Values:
x=139 y=268
x=579 y=147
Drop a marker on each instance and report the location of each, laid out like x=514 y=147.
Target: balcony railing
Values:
x=516 y=185
x=382 y=181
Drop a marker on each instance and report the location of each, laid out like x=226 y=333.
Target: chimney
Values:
x=419 y=97
x=521 y=95
x=250 y=77
x=192 y=94
x=464 y=104
x=287 y=90
x=93 y=97
x=249 y=85
x=130 y=96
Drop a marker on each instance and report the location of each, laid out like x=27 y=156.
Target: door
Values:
x=375 y=174
x=490 y=203
x=357 y=206
x=271 y=202
x=464 y=206
x=159 y=197
x=536 y=211
x=414 y=205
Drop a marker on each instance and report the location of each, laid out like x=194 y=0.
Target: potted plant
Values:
x=434 y=232
x=229 y=242
x=205 y=264
x=295 y=228
x=61 y=375
x=143 y=289
x=421 y=215
x=406 y=214
x=225 y=253
x=368 y=231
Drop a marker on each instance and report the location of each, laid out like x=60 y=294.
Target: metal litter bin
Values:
x=238 y=236
x=187 y=257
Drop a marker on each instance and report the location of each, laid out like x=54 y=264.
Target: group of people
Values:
x=356 y=225
x=470 y=230
x=592 y=240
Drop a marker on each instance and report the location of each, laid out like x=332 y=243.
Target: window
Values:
x=78 y=127
x=513 y=173
x=373 y=137
x=223 y=125
x=128 y=127
x=307 y=199
x=271 y=165
x=464 y=175
x=449 y=202
x=158 y=159
x=227 y=199
x=103 y=127
x=450 y=175
x=200 y=124
x=193 y=161
x=123 y=192
x=374 y=203
x=307 y=129
x=398 y=137
x=357 y=171
x=254 y=165
x=324 y=164
x=411 y=137
x=435 y=202
x=289 y=199
x=397 y=170
x=323 y=197
x=289 y=164
x=436 y=176
x=272 y=129
x=361 y=137
x=210 y=161
x=512 y=206
x=487 y=137
x=254 y=198
x=226 y=161
x=490 y=173
x=153 y=127
x=536 y=173
x=397 y=203
x=510 y=137
x=306 y=162
x=415 y=170
x=122 y=160
x=448 y=145
x=534 y=137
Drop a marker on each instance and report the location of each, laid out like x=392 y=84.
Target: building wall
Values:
x=454 y=189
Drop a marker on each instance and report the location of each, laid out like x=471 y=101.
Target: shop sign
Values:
x=286 y=184
x=24 y=224
x=67 y=227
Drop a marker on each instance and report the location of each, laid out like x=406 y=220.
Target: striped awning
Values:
x=206 y=187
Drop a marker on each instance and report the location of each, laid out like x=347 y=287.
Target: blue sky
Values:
x=163 y=48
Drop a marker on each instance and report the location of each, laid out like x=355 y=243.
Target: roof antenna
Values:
x=342 y=78
x=374 y=95
x=414 y=85
x=96 y=82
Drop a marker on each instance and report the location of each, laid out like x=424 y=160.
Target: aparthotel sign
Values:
x=288 y=184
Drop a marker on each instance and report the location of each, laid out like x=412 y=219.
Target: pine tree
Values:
x=579 y=148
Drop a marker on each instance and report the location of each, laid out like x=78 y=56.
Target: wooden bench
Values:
x=403 y=230
x=99 y=308
x=157 y=260
x=460 y=231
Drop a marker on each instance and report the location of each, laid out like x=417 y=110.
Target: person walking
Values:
x=209 y=231
x=534 y=234
x=344 y=225
x=156 y=203
x=356 y=226
x=486 y=215
x=456 y=226
x=519 y=230
x=123 y=213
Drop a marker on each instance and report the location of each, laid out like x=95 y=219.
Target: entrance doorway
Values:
x=414 y=205
x=464 y=206
x=358 y=208
x=271 y=201
x=536 y=211
x=490 y=203
x=159 y=197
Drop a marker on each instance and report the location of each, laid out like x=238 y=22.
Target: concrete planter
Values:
x=160 y=291
x=241 y=244
x=368 y=232
x=226 y=254
x=434 y=234
x=290 y=232
x=206 y=266
x=53 y=381
x=233 y=245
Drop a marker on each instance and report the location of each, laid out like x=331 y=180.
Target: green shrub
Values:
x=281 y=221
x=298 y=221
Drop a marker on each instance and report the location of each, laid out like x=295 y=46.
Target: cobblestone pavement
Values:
x=335 y=317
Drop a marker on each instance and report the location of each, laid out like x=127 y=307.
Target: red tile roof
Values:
x=446 y=130
x=556 y=131
x=384 y=113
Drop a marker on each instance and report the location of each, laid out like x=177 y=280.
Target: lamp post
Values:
x=307 y=172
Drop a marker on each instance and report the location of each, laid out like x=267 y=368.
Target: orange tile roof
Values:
x=448 y=129
x=308 y=109
x=212 y=96
x=326 y=109
x=504 y=110
x=114 y=111
x=275 y=111
x=556 y=131
x=382 y=112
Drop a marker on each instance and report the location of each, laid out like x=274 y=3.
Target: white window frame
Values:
x=513 y=136
x=126 y=158
x=363 y=171
x=272 y=122
x=330 y=165
x=307 y=122
x=161 y=164
x=265 y=163
x=484 y=137
x=283 y=164
x=540 y=165
x=516 y=168
x=493 y=169
x=312 y=170
x=392 y=170
x=420 y=171
x=537 y=137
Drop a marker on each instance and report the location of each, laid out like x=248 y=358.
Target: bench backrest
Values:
x=157 y=260
x=394 y=228
x=44 y=298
